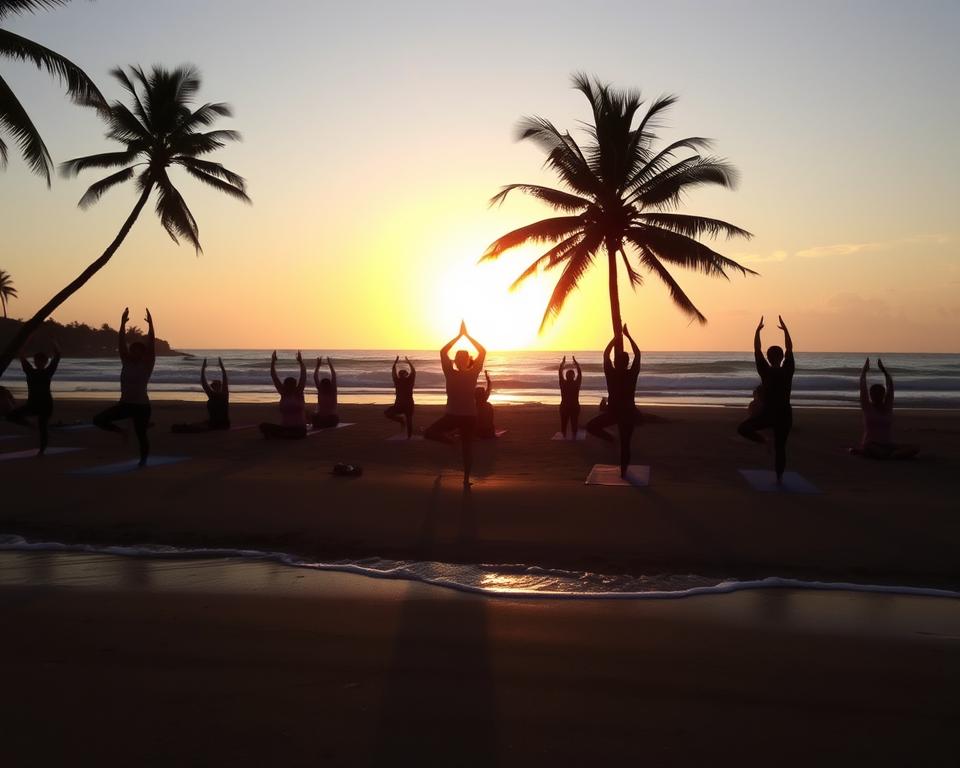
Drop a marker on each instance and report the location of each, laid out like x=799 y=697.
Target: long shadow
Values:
x=439 y=705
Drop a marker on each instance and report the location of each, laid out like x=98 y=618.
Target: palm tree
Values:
x=620 y=195
x=160 y=131
x=14 y=120
x=7 y=291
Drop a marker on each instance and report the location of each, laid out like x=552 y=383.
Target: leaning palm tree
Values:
x=159 y=132
x=14 y=120
x=7 y=291
x=620 y=195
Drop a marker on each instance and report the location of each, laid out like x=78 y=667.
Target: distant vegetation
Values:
x=75 y=339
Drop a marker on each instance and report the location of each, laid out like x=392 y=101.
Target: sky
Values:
x=375 y=133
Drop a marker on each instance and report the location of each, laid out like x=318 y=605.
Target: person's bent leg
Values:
x=596 y=426
x=749 y=428
x=141 y=422
x=106 y=418
x=19 y=415
x=440 y=430
x=625 y=428
x=325 y=422
x=394 y=414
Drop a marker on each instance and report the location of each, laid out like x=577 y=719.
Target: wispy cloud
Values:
x=760 y=258
x=847 y=249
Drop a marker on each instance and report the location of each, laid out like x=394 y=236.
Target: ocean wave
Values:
x=511 y=580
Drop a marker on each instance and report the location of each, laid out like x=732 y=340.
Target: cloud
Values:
x=759 y=258
x=847 y=249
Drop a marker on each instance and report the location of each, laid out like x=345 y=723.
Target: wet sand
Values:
x=875 y=522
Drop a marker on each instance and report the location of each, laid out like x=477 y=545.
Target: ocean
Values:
x=666 y=378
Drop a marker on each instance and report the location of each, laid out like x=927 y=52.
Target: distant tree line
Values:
x=76 y=339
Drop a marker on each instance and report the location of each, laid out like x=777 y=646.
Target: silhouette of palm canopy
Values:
x=14 y=120
x=159 y=132
x=620 y=195
x=7 y=291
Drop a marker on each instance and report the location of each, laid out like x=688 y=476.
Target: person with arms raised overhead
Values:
x=569 y=396
x=137 y=364
x=461 y=380
x=218 y=403
x=402 y=409
x=621 y=410
x=293 y=408
x=486 y=430
x=776 y=376
x=39 y=398
x=877 y=407
x=326 y=413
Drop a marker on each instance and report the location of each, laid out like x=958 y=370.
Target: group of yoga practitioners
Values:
x=469 y=414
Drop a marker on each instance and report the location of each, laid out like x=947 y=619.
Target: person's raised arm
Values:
x=864 y=399
x=203 y=377
x=413 y=371
x=489 y=383
x=224 y=385
x=481 y=350
x=560 y=370
x=25 y=364
x=151 y=336
x=579 y=370
x=607 y=362
x=273 y=372
x=633 y=346
x=333 y=375
x=445 y=363
x=888 y=401
x=55 y=362
x=303 y=373
x=787 y=341
x=758 y=357
x=316 y=373
x=393 y=370
x=122 y=334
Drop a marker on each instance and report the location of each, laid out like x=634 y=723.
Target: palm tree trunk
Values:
x=21 y=336
x=614 y=298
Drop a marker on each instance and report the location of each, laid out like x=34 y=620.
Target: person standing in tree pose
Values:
x=39 y=398
x=461 y=380
x=403 y=383
x=137 y=364
x=569 y=396
x=776 y=374
x=621 y=376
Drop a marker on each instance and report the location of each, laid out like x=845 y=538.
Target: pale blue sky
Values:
x=365 y=121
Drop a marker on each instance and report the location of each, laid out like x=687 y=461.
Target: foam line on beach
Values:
x=408 y=572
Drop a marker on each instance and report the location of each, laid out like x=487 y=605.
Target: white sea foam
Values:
x=514 y=581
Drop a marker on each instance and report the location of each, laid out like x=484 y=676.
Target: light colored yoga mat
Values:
x=765 y=481
x=341 y=425
x=581 y=435
x=638 y=475
x=132 y=465
x=401 y=437
x=33 y=452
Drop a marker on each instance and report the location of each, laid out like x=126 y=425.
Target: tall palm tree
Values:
x=14 y=120
x=159 y=132
x=7 y=291
x=620 y=195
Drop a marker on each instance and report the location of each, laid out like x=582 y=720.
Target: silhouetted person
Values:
x=485 y=426
x=325 y=416
x=137 y=363
x=776 y=375
x=7 y=402
x=569 y=396
x=461 y=380
x=755 y=407
x=402 y=409
x=621 y=408
x=877 y=407
x=293 y=408
x=218 y=403
x=39 y=398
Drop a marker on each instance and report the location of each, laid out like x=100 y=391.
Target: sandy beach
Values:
x=875 y=522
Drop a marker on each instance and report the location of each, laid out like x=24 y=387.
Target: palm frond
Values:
x=662 y=159
x=636 y=279
x=15 y=121
x=204 y=143
x=204 y=116
x=103 y=160
x=550 y=259
x=683 y=251
x=174 y=214
x=546 y=230
x=578 y=263
x=680 y=298
x=563 y=201
x=666 y=189
x=95 y=190
x=213 y=169
x=693 y=226
x=10 y=7
x=563 y=153
x=224 y=186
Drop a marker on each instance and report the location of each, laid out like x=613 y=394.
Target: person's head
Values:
x=878 y=394
x=289 y=385
x=775 y=356
x=570 y=375
x=480 y=393
x=326 y=386
x=136 y=351
x=402 y=374
x=621 y=360
x=40 y=360
x=216 y=386
x=463 y=360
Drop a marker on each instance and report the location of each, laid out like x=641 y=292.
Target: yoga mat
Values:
x=638 y=475
x=765 y=481
x=401 y=437
x=311 y=432
x=11 y=437
x=240 y=428
x=33 y=452
x=581 y=435
x=71 y=427
x=130 y=465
